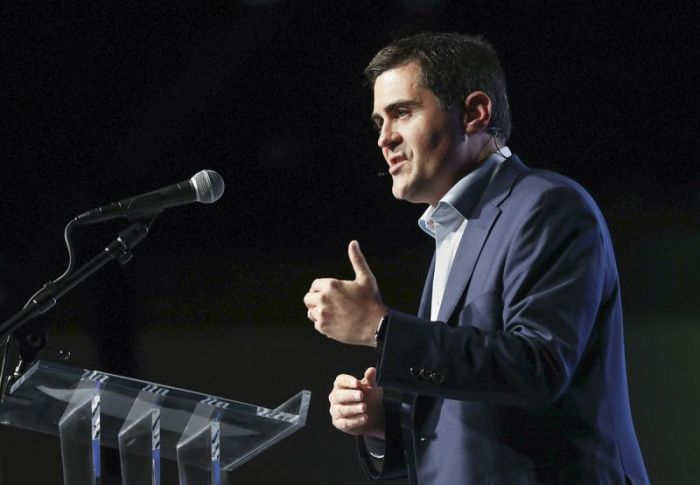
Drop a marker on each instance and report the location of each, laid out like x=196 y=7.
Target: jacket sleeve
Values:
x=392 y=463
x=549 y=291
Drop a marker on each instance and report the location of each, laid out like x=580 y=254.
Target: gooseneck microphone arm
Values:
x=205 y=187
x=46 y=298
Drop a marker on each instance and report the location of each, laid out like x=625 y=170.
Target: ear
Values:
x=477 y=112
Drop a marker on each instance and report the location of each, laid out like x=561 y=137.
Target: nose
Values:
x=388 y=137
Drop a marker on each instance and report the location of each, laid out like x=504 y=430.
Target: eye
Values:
x=402 y=112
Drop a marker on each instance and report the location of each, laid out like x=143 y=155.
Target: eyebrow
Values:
x=401 y=103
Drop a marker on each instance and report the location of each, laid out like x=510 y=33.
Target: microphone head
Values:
x=208 y=186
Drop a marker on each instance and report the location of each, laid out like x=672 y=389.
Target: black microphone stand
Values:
x=31 y=344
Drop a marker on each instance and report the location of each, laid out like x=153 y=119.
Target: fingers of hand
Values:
x=345 y=381
x=359 y=263
x=348 y=409
x=345 y=396
x=312 y=299
x=322 y=284
x=322 y=318
x=370 y=377
x=339 y=411
x=321 y=301
x=319 y=310
x=350 y=424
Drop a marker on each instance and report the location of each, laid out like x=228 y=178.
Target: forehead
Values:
x=402 y=82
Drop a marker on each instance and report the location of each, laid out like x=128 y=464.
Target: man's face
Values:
x=425 y=146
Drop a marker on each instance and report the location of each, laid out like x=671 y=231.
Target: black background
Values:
x=102 y=100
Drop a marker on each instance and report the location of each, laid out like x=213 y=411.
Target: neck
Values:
x=488 y=146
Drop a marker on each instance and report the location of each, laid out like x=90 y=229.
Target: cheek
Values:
x=430 y=143
x=441 y=143
x=431 y=150
x=435 y=140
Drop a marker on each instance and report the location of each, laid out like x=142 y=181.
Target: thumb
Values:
x=359 y=263
x=370 y=378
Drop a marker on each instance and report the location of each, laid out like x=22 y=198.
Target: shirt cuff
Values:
x=375 y=447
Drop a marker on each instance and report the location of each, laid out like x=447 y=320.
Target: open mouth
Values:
x=395 y=164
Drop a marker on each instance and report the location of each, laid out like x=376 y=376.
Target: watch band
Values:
x=381 y=332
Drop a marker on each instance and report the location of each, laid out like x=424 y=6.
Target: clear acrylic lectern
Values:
x=206 y=435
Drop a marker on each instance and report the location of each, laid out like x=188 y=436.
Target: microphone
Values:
x=206 y=187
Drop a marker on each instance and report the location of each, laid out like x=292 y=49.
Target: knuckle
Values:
x=342 y=382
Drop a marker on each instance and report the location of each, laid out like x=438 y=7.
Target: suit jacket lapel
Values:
x=480 y=221
x=468 y=252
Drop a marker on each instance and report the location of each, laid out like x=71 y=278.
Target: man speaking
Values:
x=513 y=372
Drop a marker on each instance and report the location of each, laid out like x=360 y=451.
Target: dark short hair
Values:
x=452 y=66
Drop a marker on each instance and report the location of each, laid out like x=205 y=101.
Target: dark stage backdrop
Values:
x=102 y=100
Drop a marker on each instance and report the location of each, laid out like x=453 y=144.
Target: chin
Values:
x=406 y=192
x=397 y=194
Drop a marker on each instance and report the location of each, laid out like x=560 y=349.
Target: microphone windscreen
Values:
x=208 y=186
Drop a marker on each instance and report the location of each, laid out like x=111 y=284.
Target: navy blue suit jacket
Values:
x=522 y=380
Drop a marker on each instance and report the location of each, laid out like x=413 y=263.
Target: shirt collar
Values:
x=461 y=199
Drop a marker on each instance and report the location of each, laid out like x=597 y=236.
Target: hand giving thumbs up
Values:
x=347 y=311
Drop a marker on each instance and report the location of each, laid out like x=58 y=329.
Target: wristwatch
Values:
x=381 y=332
